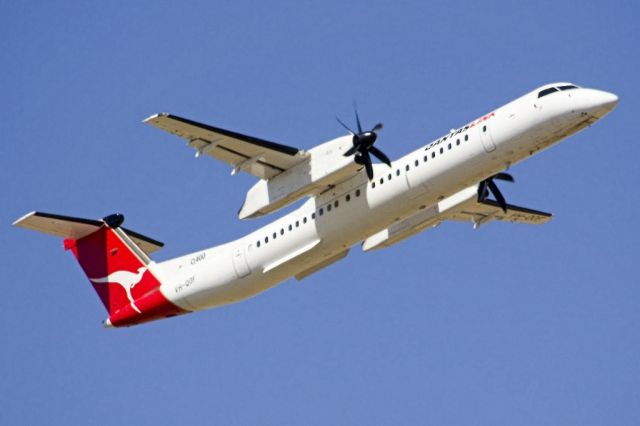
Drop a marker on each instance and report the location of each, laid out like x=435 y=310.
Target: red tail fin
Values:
x=118 y=274
x=116 y=265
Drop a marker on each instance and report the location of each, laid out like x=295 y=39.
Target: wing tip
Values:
x=18 y=222
x=149 y=120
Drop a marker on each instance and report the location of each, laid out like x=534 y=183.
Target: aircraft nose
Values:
x=597 y=103
x=606 y=100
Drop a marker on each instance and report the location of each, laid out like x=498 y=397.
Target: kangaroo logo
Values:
x=124 y=278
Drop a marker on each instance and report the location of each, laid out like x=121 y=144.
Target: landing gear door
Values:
x=240 y=263
x=485 y=137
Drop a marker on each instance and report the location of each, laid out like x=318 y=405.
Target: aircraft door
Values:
x=485 y=137
x=417 y=186
x=240 y=264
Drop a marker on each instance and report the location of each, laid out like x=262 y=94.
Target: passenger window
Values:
x=274 y=235
x=297 y=223
x=407 y=167
x=348 y=198
x=357 y=192
x=484 y=128
x=290 y=227
x=389 y=177
x=321 y=211
x=433 y=154
x=373 y=185
x=313 y=215
x=425 y=158
x=458 y=141
x=304 y=219
x=381 y=181
x=441 y=150
x=266 y=240
x=329 y=207
x=336 y=203
x=258 y=244
x=398 y=172
x=449 y=146
x=416 y=163
x=281 y=231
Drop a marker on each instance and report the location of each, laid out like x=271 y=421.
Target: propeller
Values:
x=363 y=148
x=488 y=185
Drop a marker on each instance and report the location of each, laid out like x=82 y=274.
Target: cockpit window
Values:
x=568 y=87
x=546 y=92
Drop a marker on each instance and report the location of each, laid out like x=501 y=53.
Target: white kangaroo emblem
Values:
x=124 y=278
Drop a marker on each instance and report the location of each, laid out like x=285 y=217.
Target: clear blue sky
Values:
x=509 y=324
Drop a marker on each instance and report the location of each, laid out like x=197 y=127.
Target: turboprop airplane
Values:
x=349 y=200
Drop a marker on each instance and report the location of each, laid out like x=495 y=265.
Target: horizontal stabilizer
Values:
x=76 y=228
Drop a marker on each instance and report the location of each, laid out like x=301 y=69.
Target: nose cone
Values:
x=607 y=100
x=596 y=103
x=367 y=139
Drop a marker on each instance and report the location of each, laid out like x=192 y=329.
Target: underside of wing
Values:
x=462 y=206
x=259 y=157
x=483 y=211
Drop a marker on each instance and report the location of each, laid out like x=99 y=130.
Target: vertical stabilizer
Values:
x=115 y=263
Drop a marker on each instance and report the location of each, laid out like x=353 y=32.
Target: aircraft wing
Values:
x=258 y=157
x=462 y=206
x=487 y=210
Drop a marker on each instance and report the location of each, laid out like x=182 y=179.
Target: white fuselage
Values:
x=315 y=234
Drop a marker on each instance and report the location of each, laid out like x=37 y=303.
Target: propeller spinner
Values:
x=363 y=146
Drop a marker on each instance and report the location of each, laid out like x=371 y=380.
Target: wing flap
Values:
x=261 y=158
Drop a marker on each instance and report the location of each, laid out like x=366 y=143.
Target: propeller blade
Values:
x=351 y=151
x=496 y=193
x=482 y=190
x=504 y=176
x=355 y=108
x=380 y=155
x=345 y=126
x=377 y=127
x=367 y=164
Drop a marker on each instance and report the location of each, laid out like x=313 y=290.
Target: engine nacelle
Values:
x=326 y=166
